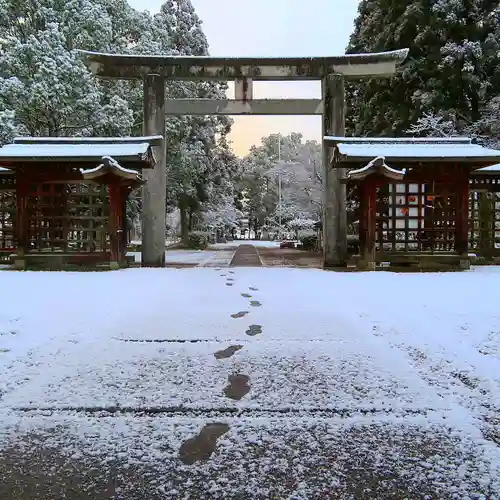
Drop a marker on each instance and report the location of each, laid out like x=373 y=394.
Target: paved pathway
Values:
x=246 y=256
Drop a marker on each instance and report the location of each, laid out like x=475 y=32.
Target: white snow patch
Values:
x=340 y=341
x=188 y=256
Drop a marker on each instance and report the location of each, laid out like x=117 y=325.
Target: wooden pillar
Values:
x=462 y=218
x=115 y=208
x=368 y=224
x=485 y=214
x=154 y=190
x=124 y=235
x=363 y=223
x=334 y=188
x=22 y=218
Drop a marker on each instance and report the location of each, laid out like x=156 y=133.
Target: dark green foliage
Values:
x=198 y=240
x=310 y=242
x=452 y=69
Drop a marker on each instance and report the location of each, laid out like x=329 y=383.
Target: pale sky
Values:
x=273 y=28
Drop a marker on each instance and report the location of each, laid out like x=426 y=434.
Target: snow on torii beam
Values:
x=352 y=66
x=243 y=71
x=332 y=71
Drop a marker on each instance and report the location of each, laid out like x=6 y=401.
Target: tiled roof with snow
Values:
x=150 y=139
x=86 y=150
x=458 y=149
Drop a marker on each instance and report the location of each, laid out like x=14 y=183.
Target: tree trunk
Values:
x=184 y=223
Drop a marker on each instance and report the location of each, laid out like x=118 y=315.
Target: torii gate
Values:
x=332 y=71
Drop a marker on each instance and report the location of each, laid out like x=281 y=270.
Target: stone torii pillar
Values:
x=334 y=189
x=156 y=71
x=154 y=191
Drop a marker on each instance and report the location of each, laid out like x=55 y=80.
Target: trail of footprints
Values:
x=202 y=446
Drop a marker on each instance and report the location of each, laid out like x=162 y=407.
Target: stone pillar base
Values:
x=20 y=263
x=365 y=265
x=464 y=264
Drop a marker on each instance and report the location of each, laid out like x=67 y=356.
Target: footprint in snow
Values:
x=246 y=295
x=253 y=289
x=4 y=350
x=254 y=330
x=229 y=284
x=203 y=445
x=228 y=352
x=239 y=314
x=239 y=386
x=255 y=303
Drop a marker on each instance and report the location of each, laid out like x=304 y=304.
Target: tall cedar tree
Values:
x=452 y=68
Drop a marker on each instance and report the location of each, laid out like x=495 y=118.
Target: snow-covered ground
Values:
x=168 y=241
x=196 y=257
x=360 y=385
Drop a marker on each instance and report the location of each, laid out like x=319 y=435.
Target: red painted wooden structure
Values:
x=413 y=197
x=63 y=200
x=484 y=213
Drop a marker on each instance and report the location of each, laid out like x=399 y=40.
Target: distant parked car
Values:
x=288 y=244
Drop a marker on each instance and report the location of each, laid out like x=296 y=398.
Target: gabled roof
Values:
x=413 y=150
x=110 y=167
x=376 y=166
x=134 y=151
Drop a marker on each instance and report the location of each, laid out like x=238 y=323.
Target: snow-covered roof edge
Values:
x=451 y=150
x=493 y=169
x=110 y=166
x=396 y=140
x=138 y=154
x=152 y=140
x=376 y=166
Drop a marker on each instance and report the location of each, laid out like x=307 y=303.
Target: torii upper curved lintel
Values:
x=352 y=66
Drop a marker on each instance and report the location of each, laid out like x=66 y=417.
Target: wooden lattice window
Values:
x=416 y=217
x=484 y=215
x=7 y=213
x=68 y=217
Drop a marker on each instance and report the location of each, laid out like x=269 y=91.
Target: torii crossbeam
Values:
x=155 y=70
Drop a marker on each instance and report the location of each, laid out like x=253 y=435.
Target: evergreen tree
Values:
x=297 y=163
x=45 y=89
x=198 y=155
x=452 y=68
x=43 y=81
